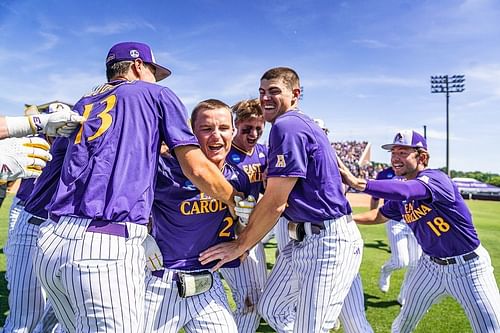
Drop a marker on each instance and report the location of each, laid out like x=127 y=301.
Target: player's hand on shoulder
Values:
x=62 y=121
x=23 y=157
x=244 y=207
x=154 y=258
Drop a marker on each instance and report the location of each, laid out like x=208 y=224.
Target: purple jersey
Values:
x=187 y=222
x=46 y=184
x=253 y=163
x=111 y=163
x=25 y=189
x=442 y=224
x=299 y=148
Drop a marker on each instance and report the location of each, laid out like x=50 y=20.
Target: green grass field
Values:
x=445 y=317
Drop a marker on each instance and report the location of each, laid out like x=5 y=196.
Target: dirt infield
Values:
x=358 y=199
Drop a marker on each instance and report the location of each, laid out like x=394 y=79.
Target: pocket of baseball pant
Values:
x=45 y=231
x=95 y=246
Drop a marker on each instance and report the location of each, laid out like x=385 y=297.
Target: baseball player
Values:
x=26 y=297
x=185 y=222
x=89 y=256
x=453 y=261
x=247 y=281
x=313 y=274
x=353 y=314
x=405 y=250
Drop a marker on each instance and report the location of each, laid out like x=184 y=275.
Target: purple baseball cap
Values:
x=129 y=51
x=407 y=138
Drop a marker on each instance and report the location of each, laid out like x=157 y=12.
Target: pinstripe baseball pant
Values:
x=26 y=297
x=281 y=233
x=311 y=278
x=247 y=282
x=95 y=281
x=48 y=323
x=352 y=315
x=166 y=312
x=471 y=282
x=14 y=211
x=405 y=252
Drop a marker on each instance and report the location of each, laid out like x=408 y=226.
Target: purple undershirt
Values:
x=397 y=190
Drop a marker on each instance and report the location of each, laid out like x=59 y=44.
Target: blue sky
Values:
x=365 y=65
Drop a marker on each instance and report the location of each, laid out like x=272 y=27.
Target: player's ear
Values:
x=136 y=67
x=296 y=95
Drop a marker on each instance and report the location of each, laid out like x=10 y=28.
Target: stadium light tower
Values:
x=447 y=84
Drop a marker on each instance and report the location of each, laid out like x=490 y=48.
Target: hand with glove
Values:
x=154 y=258
x=244 y=208
x=23 y=157
x=61 y=122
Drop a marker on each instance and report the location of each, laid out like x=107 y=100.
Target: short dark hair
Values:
x=120 y=68
x=209 y=104
x=247 y=109
x=289 y=76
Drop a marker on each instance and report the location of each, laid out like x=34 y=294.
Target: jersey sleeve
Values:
x=390 y=209
x=439 y=184
x=174 y=121
x=287 y=155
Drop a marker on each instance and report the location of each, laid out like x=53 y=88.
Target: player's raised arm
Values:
x=204 y=174
x=262 y=219
x=60 y=123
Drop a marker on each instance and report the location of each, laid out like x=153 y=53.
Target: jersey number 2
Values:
x=225 y=232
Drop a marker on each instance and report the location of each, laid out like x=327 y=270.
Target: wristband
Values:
x=19 y=127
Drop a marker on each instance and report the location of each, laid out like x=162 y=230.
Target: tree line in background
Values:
x=485 y=177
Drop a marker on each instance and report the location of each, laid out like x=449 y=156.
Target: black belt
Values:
x=36 y=220
x=316 y=227
x=451 y=261
x=21 y=203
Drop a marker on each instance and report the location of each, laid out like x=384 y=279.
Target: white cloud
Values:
x=113 y=28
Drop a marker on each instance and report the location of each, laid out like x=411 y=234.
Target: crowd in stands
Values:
x=350 y=152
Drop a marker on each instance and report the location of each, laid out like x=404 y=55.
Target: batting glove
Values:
x=23 y=157
x=59 y=123
x=154 y=258
x=244 y=208
x=61 y=120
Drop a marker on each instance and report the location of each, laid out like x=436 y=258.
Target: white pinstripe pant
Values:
x=14 y=211
x=166 y=312
x=472 y=283
x=94 y=281
x=26 y=297
x=247 y=282
x=405 y=252
x=352 y=315
x=310 y=279
x=281 y=233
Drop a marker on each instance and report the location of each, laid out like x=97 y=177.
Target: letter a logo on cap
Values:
x=398 y=138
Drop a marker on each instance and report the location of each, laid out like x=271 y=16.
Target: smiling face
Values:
x=276 y=98
x=248 y=132
x=406 y=161
x=214 y=130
